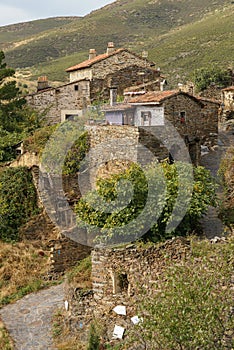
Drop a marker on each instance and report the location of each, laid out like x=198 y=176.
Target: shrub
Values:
x=164 y=181
x=203 y=77
x=18 y=201
x=94 y=339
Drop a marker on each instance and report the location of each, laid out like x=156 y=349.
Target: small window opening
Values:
x=123 y=282
x=76 y=87
x=182 y=117
x=146 y=118
x=120 y=283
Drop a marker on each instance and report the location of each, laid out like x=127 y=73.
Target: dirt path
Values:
x=211 y=224
x=29 y=320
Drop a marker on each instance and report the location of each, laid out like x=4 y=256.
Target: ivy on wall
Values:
x=18 y=201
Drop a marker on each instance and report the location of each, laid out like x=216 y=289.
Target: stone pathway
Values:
x=211 y=224
x=29 y=320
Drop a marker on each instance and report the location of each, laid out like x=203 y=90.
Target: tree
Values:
x=92 y=213
x=16 y=119
x=11 y=102
x=203 y=77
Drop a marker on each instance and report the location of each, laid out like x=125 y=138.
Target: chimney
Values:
x=42 y=83
x=110 y=48
x=113 y=96
x=162 y=84
x=92 y=54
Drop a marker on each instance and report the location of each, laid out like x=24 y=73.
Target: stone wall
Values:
x=27 y=159
x=120 y=61
x=109 y=143
x=201 y=117
x=212 y=92
x=118 y=276
x=62 y=252
x=65 y=253
x=68 y=99
x=136 y=144
x=122 y=78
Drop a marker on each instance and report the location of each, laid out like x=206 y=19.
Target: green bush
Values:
x=37 y=141
x=18 y=201
x=203 y=77
x=94 y=339
x=76 y=154
x=66 y=147
x=164 y=181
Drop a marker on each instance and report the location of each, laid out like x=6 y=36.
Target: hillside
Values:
x=13 y=33
x=174 y=32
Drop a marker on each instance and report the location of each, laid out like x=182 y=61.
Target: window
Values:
x=120 y=282
x=71 y=117
x=182 y=117
x=76 y=87
x=145 y=118
x=128 y=118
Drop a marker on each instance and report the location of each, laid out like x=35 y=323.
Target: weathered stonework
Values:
x=201 y=117
x=123 y=144
x=92 y=83
x=228 y=99
x=118 y=277
x=62 y=102
x=121 y=78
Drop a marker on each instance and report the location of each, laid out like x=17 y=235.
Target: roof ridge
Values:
x=90 y=62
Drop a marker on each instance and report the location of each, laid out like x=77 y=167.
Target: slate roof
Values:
x=117 y=107
x=154 y=96
x=88 y=63
x=160 y=96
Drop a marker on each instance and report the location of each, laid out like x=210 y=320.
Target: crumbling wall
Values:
x=70 y=97
x=138 y=267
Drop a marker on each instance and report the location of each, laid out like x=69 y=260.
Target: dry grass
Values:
x=22 y=267
x=5 y=341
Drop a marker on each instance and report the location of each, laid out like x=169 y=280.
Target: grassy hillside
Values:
x=11 y=34
x=175 y=32
x=195 y=45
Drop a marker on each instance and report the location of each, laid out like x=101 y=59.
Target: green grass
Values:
x=190 y=305
x=21 y=31
x=32 y=287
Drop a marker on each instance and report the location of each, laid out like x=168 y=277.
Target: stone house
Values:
x=91 y=80
x=61 y=103
x=195 y=118
x=118 y=68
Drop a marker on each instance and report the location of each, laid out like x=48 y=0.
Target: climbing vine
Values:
x=18 y=201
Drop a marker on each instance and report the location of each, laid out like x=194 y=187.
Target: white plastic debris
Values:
x=136 y=320
x=66 y=304
x=120 y=310
x=118 y=332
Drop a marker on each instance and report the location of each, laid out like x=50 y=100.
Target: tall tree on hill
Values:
x=17 y=120
x=11 y=102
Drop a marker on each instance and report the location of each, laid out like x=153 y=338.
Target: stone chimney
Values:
x=113 y=96
x=110 y=47
x=42 y=83
x=162 y=85
x=92 y=54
